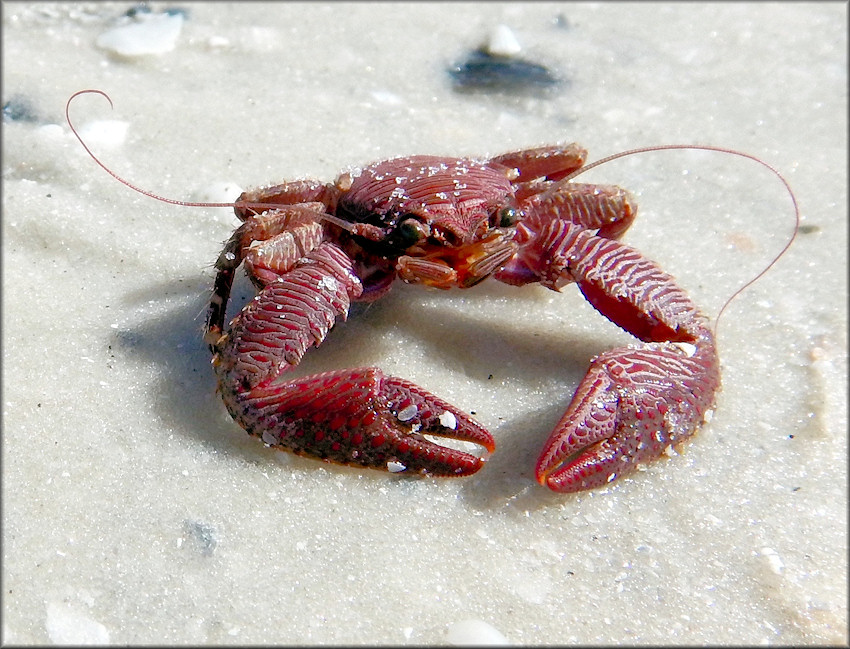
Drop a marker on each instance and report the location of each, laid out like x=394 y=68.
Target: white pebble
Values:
x=773 y=560
x=407 y=413
x=386 y=97
x=146 y=34
x=218 y=42
x=687 y=348
x=395 y=467
x=66 y=625
x=105 y=132
x=503 y=42
x=448 y=420
x=475 y=632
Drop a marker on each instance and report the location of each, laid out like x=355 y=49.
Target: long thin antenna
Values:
x=707 y=147
x=351 y=227
x=124 y=181
x=241 y=204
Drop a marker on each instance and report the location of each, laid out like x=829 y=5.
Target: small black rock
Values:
x=483 y=71
x=19 y=109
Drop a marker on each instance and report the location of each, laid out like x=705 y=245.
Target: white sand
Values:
x=136 y=511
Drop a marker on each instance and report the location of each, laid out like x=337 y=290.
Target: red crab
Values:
x=312 y=248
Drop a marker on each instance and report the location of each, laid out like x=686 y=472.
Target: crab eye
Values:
x=508 y=216
x=408 y=232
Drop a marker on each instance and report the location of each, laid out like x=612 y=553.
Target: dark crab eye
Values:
x=407 y=233
x=508 y=216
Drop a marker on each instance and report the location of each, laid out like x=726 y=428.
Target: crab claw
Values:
x=362 y=418
x=416 y=413
x=631 y=406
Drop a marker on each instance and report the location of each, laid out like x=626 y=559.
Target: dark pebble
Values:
x=19 y=109
x=177 y=11
x=483 y=71
x=143 y=8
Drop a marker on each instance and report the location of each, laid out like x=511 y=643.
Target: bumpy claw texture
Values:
x=312 y=248
x=635 y=402
x=631 y=406
x=362 y=418
x=356 y=417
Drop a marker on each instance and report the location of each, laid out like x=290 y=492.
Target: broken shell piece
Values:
x=688 y=349
x=474 y=633
x=448 y=420
x=143 y=34
x=395 y=467
x=484 y=71
x=503 y=42
x=407 y=413
x=105 y=132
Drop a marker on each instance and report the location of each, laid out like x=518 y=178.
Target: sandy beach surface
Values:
x=136 y=512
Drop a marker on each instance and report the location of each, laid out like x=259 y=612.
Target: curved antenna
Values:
x=718 y=149
x=241 y=204
x=123 y=181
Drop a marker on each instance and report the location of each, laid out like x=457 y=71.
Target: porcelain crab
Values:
x=313 y=248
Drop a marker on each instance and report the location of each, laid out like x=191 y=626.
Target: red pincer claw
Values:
x=631 y=406
x=581 y=450
x=362 y=418
x=418 y=413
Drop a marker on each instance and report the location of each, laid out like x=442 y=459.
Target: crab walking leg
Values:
x=607 y=208
x=357 y=417
x=634 y=402
x=283 y=237
x=291 y=193
x=551 y=162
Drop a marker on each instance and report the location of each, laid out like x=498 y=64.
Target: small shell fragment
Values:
x=67 y=625
x=448 y=420
x=774 y=561
x=407 y=413
x=143 y=34
x=395 y=467
x=485 y=71
x=503 y=42
x=475 y=632
x=105 y=132
x=19 y=109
